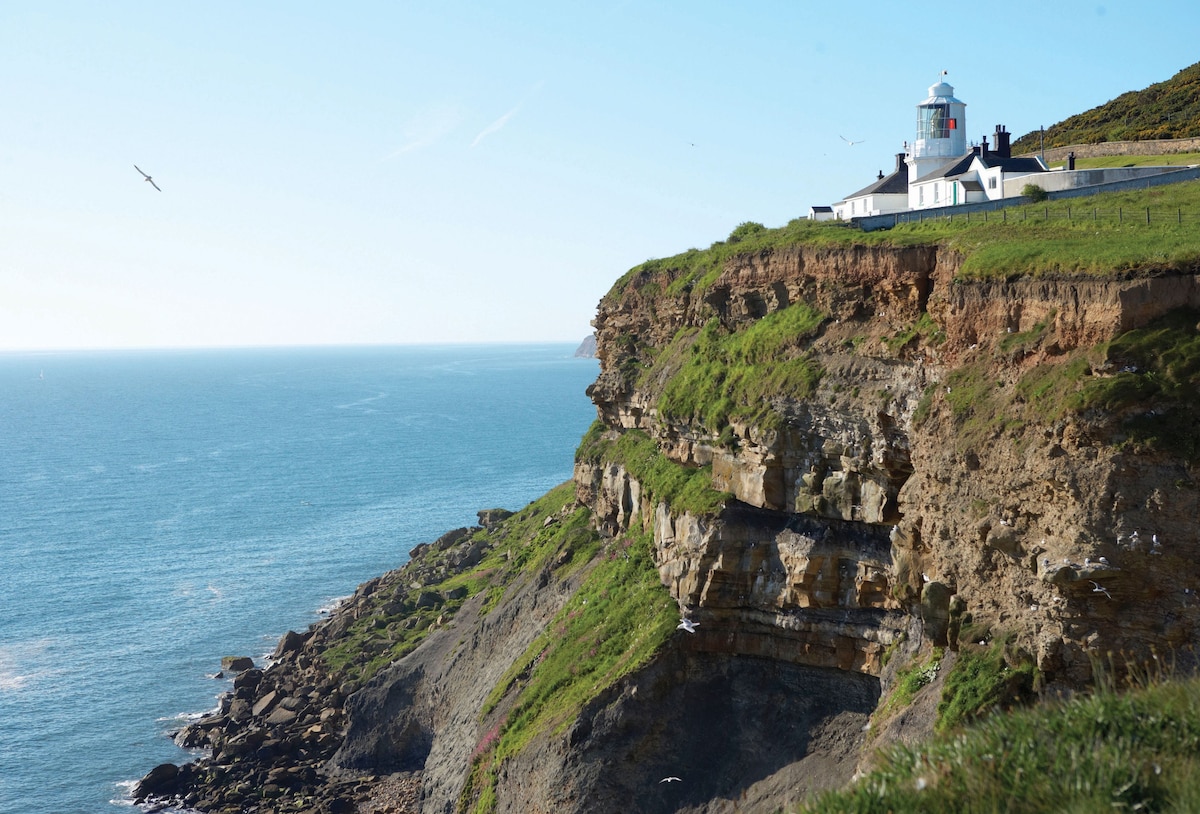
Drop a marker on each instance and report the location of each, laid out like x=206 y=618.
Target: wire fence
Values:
x=1144 y=216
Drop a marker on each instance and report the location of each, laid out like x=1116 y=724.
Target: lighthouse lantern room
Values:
x=941 y=131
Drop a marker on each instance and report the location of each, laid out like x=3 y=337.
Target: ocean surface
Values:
x=162 y=509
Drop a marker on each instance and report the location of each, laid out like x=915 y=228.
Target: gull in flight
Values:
x=671 y=779
x=1100 y=590
x=686 y=624
x=851 y=143
x=148 y=178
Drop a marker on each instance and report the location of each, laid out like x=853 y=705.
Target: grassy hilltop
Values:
x=1165 y=110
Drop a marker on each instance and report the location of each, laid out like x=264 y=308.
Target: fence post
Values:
x=1121 y=215
x=1147 y=213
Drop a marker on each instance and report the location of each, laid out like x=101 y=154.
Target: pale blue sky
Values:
x=400 y=172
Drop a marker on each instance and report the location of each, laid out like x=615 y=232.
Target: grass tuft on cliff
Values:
x=984 y=679
x=1134 y=751
x=686 y=489
x=726 y=375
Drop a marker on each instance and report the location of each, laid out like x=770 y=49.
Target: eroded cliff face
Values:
x=885 y=502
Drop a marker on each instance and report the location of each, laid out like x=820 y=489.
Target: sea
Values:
x=162 y=509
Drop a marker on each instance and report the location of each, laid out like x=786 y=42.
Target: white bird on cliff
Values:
x=671 y=779
x=148 y=178
x=1100 y=589
x=687 y=624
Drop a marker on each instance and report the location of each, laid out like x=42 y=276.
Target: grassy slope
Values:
x=1099 y=235
x=1105 y=161
x=1165 y=110
x=615 y=622
x=516 y=549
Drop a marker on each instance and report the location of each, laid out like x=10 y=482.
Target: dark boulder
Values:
x=238 y=664
x=161 y=781
x=291 y=642
x=450 y=538
x=492 y=517
x=429 y=599
x=247 y=678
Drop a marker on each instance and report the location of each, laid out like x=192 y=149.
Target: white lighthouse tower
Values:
x=941 y=131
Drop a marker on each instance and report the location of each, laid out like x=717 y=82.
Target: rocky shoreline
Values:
x=269 y=743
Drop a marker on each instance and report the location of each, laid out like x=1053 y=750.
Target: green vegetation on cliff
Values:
x=686 y=489
x=985 y=678
x=1142 y=388
x=724 y=376
x=696 y=269
x=1132 y=751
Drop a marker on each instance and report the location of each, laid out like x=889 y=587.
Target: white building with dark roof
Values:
x=888 y=193
x=980 y=175
x=938 y=168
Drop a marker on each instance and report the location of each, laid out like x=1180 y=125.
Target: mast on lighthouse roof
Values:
x=941 y=130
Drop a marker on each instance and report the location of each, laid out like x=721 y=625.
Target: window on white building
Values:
x=936 y=189
x=992 y=182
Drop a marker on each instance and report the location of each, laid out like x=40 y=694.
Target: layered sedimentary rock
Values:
x=872 y=504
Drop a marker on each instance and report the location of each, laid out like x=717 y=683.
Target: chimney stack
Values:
x=1002 y=146
x=983 y=151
